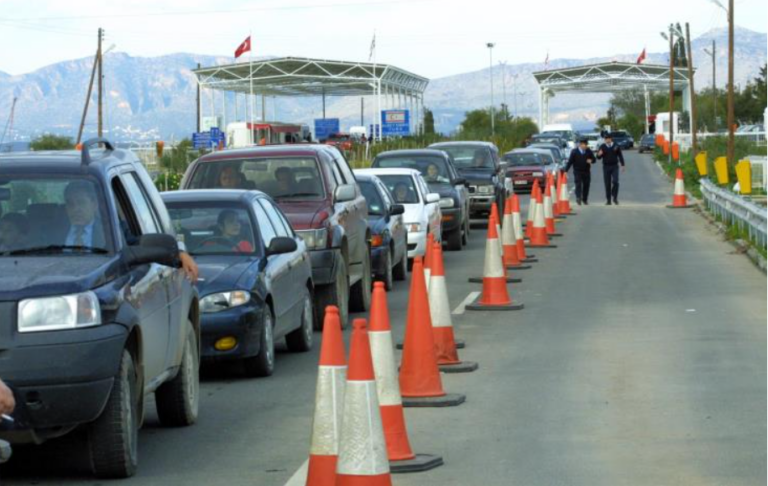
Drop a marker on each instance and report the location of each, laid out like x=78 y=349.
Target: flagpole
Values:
x=250 y=80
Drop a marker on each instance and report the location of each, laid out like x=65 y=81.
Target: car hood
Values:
x=25 y=277
x=445 y=190
x=301 y=214
x=223 y=272
x=477 y=176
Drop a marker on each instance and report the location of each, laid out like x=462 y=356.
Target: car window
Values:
x=423 y=185
x=521 y=159
x=213 y=228
x=147 y=220
x=277 y=223
x=280 y=215
x=43 y=211
x=372 y=198
x=401 y=187
x=432 y=168
x=385 y=195
x=266 y=230
x=469 y=157
x=346 y=172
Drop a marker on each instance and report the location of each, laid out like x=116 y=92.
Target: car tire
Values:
x=388 y=278
x=400 y=272
x=263 y=364
x=177 y=401
x=360 y=293
x=113 y=438
x=300 y=340
x=453 y=242
x=336 y=294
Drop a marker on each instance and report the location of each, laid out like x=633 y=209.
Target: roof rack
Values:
x=86 y=153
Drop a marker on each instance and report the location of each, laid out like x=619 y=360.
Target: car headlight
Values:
x=314 y=239
x=446 y=202
x=223 y=301
x=485 y=189
x=413 y=227
x=59 y=313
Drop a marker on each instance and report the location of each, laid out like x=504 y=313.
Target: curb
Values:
x=740 y=245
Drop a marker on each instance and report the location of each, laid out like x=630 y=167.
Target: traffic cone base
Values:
x=460 y=344
x=530 y=245
x=687 y=206
x=508 y=279
x=460 y=367
x=519 y=266
x=479 y=306
x=447 y=400
x=420 y=463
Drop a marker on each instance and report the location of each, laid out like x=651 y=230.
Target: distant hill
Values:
x=151 y=98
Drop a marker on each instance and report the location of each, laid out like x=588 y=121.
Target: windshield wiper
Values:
x=59 y=249
x=297 y=194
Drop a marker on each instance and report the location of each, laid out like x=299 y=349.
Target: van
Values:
x=563 y=130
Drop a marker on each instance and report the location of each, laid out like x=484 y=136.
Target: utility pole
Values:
x=671 y=89
x=714 y=84
x=694 y=147
x=362 y=111
x=9 y=124
x=504 y=88
x=731 y=138
x=87 y=98
x=100 y=130
x=490 y=46
x=197 y=103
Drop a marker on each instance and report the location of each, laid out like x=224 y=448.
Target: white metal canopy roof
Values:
x=611 y=77
x=297 y=76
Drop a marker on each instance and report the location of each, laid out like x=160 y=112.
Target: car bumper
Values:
x=242 y=323
x=451 y=220
x=379 y=260
x=324 y=265
x=525 y=184
x=417 y=243
x=62 y=385
x=481 y=203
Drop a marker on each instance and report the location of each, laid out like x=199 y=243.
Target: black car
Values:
x=479 y=163
x=647 y=143
x=95 y=312
x=623 y=139
x=255 y=281
x=389 y=238
x=440 y=173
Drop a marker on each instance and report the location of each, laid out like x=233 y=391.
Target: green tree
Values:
x=50 y=141
x=177 y=159
x=509 y=132
x=429 y=122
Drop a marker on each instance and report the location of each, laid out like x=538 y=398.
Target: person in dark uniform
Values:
x=611 y=155
x=581 y=160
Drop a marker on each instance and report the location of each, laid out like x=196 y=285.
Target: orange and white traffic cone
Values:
x=532 y=209
x=494 y=295
x=565 y=196
x=401 y=457
x=495 y=216
x=442 y=326
x=549 y=216
x=362 y=448
x=499 y=254
x=553 y=194
x=428 y=258
x=509 y=239
x=329 y=403
x=518 y=227
x=539 y=237
x=420 y=383
x=679 y=200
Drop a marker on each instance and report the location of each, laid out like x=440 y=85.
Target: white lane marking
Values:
x=460 y=309
x=299 y=478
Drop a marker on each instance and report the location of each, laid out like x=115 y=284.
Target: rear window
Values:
x=524 y=159
x=213 y=228
x=281 y=178
x=401 y=187
x=433 y=169
x=373 y=198
x=469 y=157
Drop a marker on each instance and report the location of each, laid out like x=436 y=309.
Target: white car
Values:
x=422 y=209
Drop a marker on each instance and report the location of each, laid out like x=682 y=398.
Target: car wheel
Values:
x=300 y=340
x=360 y=300
x=336 y=294
x=177 y=400
x=453 y=241
x=400 y=272
x=263 y=364
x=113 y=438
x=388 y=278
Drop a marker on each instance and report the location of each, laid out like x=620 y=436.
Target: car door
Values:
x=396 y=224
x=461 y=190
x=357 y=218
x=278 y=269
x=432 y=210
x=147 y=291
x=297 y=265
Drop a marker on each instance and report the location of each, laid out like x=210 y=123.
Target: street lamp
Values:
x=490 y=46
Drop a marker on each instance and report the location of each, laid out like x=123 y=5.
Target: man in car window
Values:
x=479 y=159
x=14 y=231
x=286 y=182
x=229 y=178
x=433 y=174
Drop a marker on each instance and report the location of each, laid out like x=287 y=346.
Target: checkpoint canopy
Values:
x=392 y=87
x=610 y=77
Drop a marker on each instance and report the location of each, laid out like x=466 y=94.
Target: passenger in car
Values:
x=230 y=228
x=14 y=231
x=229 y=178
x=401 y=193
x=286 y=181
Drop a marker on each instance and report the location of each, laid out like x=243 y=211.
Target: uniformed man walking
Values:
x=611 y=155
x=581 y=160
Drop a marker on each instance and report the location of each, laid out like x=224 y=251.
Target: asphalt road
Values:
x=639 y=359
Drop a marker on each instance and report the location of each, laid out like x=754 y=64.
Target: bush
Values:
x=49 y=141
x=168 y=181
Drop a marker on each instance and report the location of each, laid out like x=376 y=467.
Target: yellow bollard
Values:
x=701 y=163
x=744 y=175
x=721 y=169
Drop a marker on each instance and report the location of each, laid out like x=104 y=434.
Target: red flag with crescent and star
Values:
x=641 y=57
x=243 y=48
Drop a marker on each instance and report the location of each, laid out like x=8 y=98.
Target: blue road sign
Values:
x=325 y=127
x=209 y=140
x=395 y=123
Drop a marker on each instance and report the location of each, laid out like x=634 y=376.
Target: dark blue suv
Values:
x=95 y=312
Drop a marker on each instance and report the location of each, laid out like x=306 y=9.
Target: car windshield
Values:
x=546 y=139
x=566 y=134
x=648 y=137
x=524 y=159
x=53 y=215
x=469 y=157
x=591 y=136
x=401 y=187
x=372 y=197
x=281 y=178
x=213 y=228
x=619 y=134
x=432 y=168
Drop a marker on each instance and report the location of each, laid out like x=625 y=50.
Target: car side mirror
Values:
x=459 y=181
x=280 y=245
x=344 y=193
x=396 y=209
x=157 y=248
x=433 y=197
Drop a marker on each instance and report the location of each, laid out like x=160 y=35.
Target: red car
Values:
x=342 y=141
x=527 y=165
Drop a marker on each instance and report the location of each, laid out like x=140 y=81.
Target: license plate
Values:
x=520 y=183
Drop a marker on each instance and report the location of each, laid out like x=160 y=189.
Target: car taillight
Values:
x=376 y=241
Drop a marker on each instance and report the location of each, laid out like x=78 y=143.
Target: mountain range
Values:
x=150 y=98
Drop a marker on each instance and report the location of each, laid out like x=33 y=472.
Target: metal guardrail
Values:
x=684 y=139
x=735 y=210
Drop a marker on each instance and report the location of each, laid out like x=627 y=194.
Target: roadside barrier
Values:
x=362 y=448
x=518 y=227
x=442 y=325
x=510 y=255
x=549 y=217
x=494 y=295
x=329 y=403
x=401 y=456
x=420 y=382
x=539 y=237
x=679 y=200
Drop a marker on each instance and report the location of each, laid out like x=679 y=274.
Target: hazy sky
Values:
x=429 y=37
